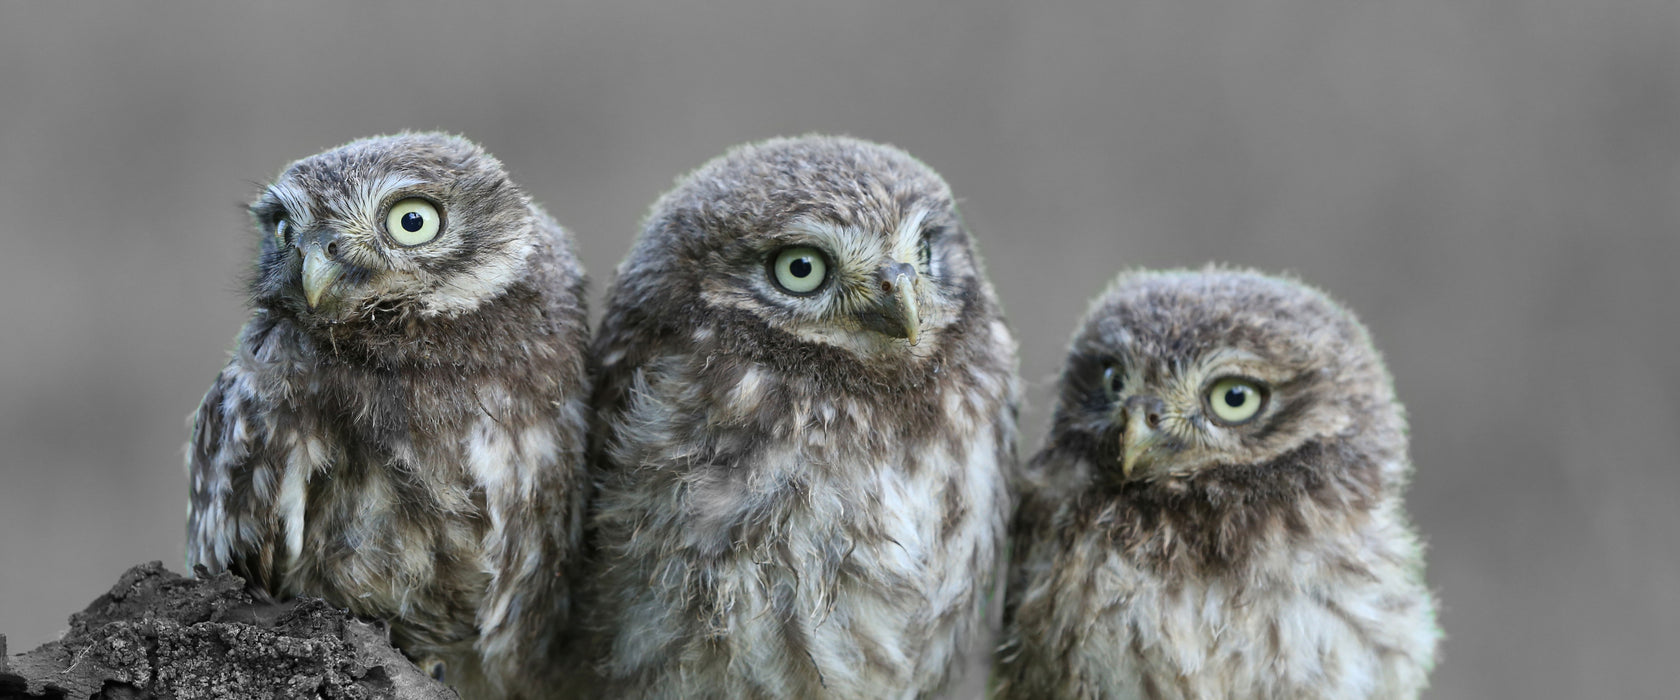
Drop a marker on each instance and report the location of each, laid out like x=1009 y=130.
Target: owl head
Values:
x=409 y=225
x=1220 y=375
x=806 y=250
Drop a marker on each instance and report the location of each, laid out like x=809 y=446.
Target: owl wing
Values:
x=536 y=517
x=625 y=345
x=230 y=523
x=1031 y=524
x=534 y=539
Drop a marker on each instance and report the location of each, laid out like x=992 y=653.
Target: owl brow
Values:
x=293 y=204
x=371 y=193
x=826 y=231
x=843 y=242
x=909 y=234
x=1222 y=358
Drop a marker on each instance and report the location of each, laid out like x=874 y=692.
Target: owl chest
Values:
x=1131 y=632
x=385 y=524
x=868 y=570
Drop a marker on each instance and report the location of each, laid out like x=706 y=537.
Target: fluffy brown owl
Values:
x=806 y=406
x=402 y=426
x=1217 y=513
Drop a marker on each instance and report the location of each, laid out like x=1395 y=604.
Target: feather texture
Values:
x=413 y=451
x=1267 y=558
x=793 y=503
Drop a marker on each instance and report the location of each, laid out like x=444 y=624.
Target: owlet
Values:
x=401 y=428
x=1216 y=512
x=806 y=407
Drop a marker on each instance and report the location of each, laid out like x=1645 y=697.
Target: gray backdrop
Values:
x=1493 y=184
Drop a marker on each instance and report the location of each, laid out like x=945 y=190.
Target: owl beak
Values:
x=895 y=314
x=1141 y=418
x=319 y=273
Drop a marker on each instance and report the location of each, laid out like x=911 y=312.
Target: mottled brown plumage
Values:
x=1217 y=510
x=805 y=411
x=401 y=428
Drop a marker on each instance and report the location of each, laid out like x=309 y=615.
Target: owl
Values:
x=1217 y=512
x=805 y=419
x=401 y=429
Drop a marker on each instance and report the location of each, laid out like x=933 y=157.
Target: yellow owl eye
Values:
x=413 y=221
x=1111 y=381
x=799 y=270
x=1235 y=400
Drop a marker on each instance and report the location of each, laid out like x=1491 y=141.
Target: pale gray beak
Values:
x=1141 y=417
x=895 y=314
x=319 y=273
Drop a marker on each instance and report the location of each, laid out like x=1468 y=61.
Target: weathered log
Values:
x=157 y=634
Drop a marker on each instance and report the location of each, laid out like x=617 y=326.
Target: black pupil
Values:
x=1114 y=381
x=800 y=267
x=412 y=221
x=1236 y=396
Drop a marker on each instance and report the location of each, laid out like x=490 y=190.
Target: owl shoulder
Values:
x=233 y=478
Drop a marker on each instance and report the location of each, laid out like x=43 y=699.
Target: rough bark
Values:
x=160 y=635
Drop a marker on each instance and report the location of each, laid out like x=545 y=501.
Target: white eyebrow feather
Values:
x=366 y=196
x=819 y=228
x=843 y=242
x=371 y=192
x=903 y=245
x=908 y=242
x=296 y=204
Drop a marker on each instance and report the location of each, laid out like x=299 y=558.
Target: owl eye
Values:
x=1235 y=400
x=799 y=270
x=283 y=231
x=924 y=253
x=1112 y=381
x=413 y=221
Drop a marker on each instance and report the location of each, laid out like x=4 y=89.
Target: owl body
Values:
x=405 y=440
x=1164 y=551
x=793 y=503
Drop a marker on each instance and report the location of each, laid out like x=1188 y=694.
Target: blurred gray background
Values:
x=1493 y=184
